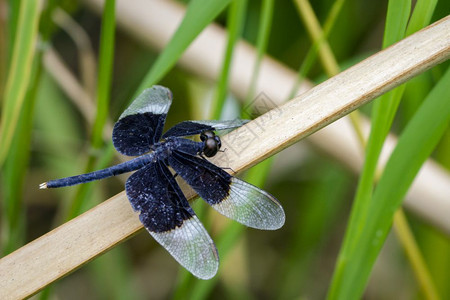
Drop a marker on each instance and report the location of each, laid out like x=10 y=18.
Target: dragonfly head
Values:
x=211 y=143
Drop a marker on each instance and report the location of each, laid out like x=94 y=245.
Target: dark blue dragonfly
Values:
x=154 y=193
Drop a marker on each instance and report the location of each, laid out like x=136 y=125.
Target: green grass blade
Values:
x=383 y=112
x=421 y=16
x=414 y=255
x=106 y=60
x=15 y=169
x=396 y=20
x=105 y=71
x=384 y=108
x=13 y=20
x=19 y=72
x=313 y=52
x=414 y=146
x=198 y=15
x=236 y=17
x=439 y=264
x=17 y=163
x=309 y=18
x=7 y=36
x=261 y=45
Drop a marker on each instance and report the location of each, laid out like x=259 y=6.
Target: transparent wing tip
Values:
x=278 y=221
x=43 y=185
x=192 y=247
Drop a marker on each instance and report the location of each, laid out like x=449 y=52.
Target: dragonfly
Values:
x=154 y=192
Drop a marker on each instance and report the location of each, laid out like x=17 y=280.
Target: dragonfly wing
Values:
x=141 y=124
x=187 y=128
x=230 y=196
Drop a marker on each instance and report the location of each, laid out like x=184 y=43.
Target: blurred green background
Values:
x=54 y=139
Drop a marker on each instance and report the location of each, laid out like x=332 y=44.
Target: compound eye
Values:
x=218 y=141
x=206 y=135
x=210 y=148
x=203 y=137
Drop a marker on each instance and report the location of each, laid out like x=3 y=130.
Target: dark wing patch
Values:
x=134 y=135
x=232 y=197
x=141 y=124
x=208 y=180
x=187 y=128
x=162 y=206
x=167 y=216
